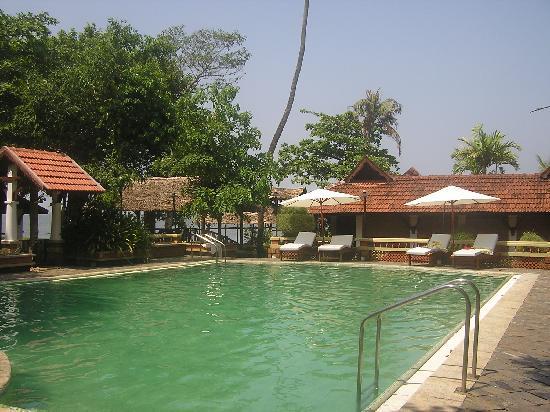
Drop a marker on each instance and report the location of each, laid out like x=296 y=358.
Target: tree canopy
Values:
x=218 y=146
x=115 y=100
x=484 y=153
x=378 y=117
x=336 y=144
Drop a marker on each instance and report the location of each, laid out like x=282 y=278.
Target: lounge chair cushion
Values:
x=293 y=246
x=420 y=251
x=485 y=243
x=472 y=252
x=303 y=240
x=331 y=248
x=437 y=243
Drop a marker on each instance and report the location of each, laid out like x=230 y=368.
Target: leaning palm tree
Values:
x=378 y=117
x=543 y=164
x=297 y=70
x=484 y=153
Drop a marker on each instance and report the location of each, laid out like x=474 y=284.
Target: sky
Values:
x=451 y=64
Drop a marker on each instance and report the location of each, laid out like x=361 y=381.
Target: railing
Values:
x=210 y=242
x=456 y=285
x=506 y=248
x=222 y=250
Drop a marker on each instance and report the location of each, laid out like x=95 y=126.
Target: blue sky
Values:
x=450 y=64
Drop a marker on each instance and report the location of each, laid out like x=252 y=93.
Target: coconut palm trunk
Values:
x=282 y=123
x=290 y=102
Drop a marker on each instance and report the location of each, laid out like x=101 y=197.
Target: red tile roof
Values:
x=518 y=193
x=51 y=171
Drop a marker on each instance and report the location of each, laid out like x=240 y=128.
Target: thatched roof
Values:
x=249 y=218
x=411 y=172
x=283 y=193
x=156 y=194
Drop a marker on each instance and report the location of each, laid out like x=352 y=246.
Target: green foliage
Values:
x=217 y=144
x=99 y=227
x=378 y=117
x=463 y=236
x=292 y=220
x=336 y=145
x=543 y=164
x=207 y=55
x=530 y=236
x=483 y=151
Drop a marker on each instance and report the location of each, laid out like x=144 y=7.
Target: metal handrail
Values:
x=209 y=242
x=410 y=299
x=223 y=250
x=476 y=321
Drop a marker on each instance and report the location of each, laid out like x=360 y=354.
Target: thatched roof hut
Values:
x=248 y=218
x=283 y=193
x=156 y=194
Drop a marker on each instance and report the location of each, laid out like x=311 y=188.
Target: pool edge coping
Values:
x=435 y=384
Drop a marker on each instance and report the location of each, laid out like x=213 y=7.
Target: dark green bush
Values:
x=529 y=236
x=463 y=236
x=100 y=227
x=292 y=220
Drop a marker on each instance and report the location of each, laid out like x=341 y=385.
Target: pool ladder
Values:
x=457 y=285
x=218 y=245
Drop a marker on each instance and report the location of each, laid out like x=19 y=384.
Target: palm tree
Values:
x=379 y=117
x=543 y=164
x=290 y=102
x=482 y=151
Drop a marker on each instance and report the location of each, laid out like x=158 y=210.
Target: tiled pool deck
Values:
x=514 y=349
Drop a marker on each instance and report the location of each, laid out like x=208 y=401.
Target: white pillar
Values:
x=56 y=217
x=11 y=205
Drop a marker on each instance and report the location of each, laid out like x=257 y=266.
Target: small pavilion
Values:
x=38 y=170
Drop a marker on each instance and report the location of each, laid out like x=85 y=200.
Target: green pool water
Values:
x=229 y=337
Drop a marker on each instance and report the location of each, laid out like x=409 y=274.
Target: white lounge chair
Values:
x=438 y=243
x=484 y=246
x=299 y=248
x=338 y=244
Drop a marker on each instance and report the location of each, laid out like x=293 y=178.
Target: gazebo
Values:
x=38 y=170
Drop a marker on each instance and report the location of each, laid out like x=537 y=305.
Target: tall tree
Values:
x=378 y=117
x=290 y=102
x=335 y=146
x=217 y=144
x=484 y=153
x=208 y=55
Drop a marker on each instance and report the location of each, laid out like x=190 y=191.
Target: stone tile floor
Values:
x=517 y=376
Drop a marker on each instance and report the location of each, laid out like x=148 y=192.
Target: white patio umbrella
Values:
x=320 y=197
x=452 y=195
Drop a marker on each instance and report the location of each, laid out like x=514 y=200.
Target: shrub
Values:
x=100 y=227
x=529 y=236
x=292 y=220
x=463 y=236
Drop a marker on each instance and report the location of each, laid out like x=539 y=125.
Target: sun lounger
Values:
x=302 y=245
x=484 y=247
x=338 y=244
x=438 y=244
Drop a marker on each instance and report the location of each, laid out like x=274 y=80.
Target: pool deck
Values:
x=514 y=349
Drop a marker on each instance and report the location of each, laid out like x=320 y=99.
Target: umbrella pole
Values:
x=322 y=225
x=452 y=225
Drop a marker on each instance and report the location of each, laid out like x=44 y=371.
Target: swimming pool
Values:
x=216 y=337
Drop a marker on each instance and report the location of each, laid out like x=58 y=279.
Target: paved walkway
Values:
x=517 y=377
